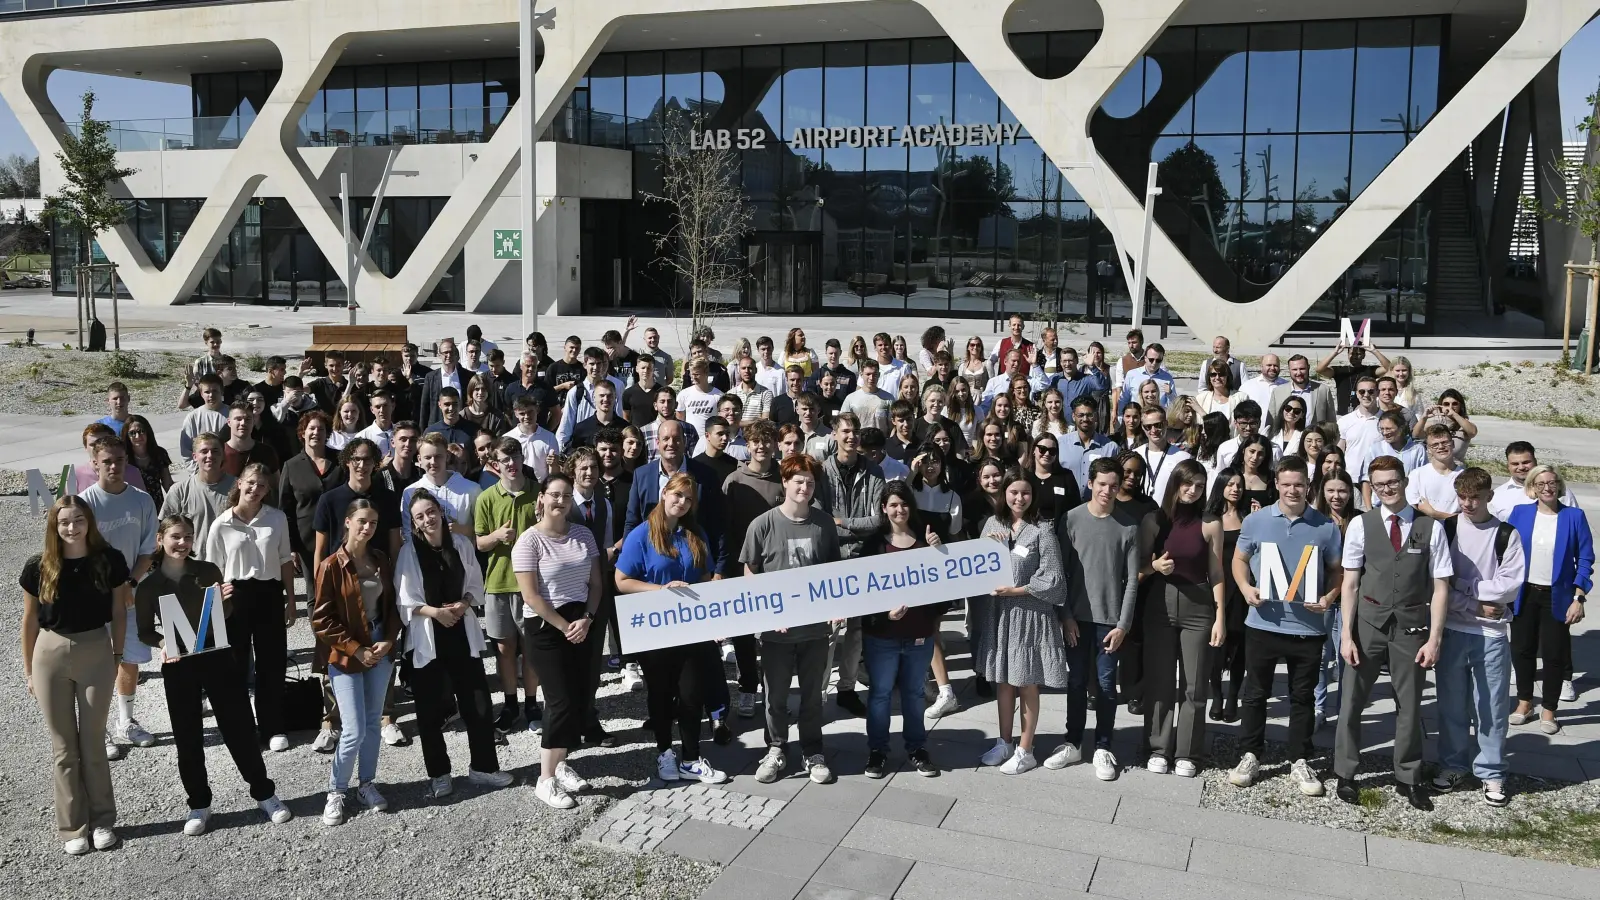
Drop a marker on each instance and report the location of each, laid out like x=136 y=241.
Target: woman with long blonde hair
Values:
x=667 y=551
x=70 y=593
x=974 y=367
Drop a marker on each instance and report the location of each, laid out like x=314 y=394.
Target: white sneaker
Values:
x=570 y=781
x=1244 y=774
x=728 y=654
x=370 y=798
x=816 y=768
x=105 y=839
x=114 y=750
x=667 y=765
x=552 y=794
x=440 y=787
x=327 y=740
x=772 y=765
x=1305 y=779
x=278 y=743
x=703 y=772
x=333 y=809
x=275 y=811
x=999 y=753
x=1569 y=693
x=632 y=680
x=489 y=779
x=393 y=736
x=1185 y=768
x=1156 y=765
x=943 y=705
x=1020 y=761
x=1063 y=756
x=77 y=847
x=135 y=734
x=747 y=705
x=1105 y=765
x=195 y=825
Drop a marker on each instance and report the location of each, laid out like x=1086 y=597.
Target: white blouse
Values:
x=257 y=549
x=1542 y=561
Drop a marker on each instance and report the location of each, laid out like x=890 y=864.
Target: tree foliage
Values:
x=19 y=177
x=88 y=169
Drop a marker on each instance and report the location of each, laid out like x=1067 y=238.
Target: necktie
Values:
x=1394 y=532
x=588 y=517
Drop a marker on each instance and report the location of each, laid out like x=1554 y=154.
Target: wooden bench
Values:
x=359 y=343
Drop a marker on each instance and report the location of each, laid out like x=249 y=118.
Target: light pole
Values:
x=530 y=22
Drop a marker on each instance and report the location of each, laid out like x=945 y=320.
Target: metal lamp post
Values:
x=530 y=22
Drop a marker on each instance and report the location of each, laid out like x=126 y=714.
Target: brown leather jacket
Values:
x=338 y=617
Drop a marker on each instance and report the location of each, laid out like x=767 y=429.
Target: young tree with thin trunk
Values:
x=88 y=169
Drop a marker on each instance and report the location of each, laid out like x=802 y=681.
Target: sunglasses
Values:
x=1047 y=451
x=1366 y=393
x=1154 y=426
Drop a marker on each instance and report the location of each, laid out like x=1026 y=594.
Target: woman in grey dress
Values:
x=1016 y=631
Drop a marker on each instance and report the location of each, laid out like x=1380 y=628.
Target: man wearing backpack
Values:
x=1474 y=671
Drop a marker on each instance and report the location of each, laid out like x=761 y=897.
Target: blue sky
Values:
x=123 y=98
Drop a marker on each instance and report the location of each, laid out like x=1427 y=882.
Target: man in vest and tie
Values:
x=592 y=510
x=1397 y=570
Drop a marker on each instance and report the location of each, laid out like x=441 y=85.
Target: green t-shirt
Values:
x=495 y=507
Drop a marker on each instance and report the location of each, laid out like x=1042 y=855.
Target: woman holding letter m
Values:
x=668 y=550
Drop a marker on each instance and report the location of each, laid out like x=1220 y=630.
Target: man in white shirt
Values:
x=381 y=431
x=1246 y=425
x=697 y=402
x=1395 y=597
x=652 y=346
x=769 y=374
x=1152 y=370
x=869 y=404
x=1220 y=352
x=537 y=442
x=890 y=370
x=1159 y=457
x=1520 y=460
x=1395 y=440
x=455 y=493
x=1432 y=488
x=1358 y=428
x=1260 y=388
x=580 y=400
x=755 y=397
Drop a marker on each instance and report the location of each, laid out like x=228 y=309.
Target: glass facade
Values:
x=1264 y=134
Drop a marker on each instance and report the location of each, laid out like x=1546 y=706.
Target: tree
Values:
x=1575 y=186
x=710 y=215
x=19 y=177
x=1190 y=176
x=88 y=168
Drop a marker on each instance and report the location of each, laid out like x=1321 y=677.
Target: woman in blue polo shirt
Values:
x=668 y=550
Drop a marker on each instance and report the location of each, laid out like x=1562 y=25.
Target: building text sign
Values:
x=860 y=136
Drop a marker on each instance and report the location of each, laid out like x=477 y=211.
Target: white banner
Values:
x=793 y=597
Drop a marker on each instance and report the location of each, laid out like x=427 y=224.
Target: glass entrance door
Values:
x=783 y=273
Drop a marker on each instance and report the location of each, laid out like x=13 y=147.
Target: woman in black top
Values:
x=305 y=477
x=976 y=508
x=154 y=463
x=69 y=660
x=1055 y=490
x=634 y=452
x=1226 y=504
x=1254 y=462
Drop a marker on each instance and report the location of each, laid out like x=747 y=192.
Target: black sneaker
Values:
x=851 y=703
x=613 y=664
x=923 y=765
x=600 y=738
x=534 y=713
x=721 y=734
x=506 y=722
x=877 y=765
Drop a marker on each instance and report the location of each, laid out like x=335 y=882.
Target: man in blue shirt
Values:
x=1152 y=370
x=117 y=401
x=1073 y=382
x=1085 y=444
x=1288 y=618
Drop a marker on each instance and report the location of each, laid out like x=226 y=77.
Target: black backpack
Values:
x=1503 y=536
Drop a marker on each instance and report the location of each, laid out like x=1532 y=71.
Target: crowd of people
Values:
x=1169 y=548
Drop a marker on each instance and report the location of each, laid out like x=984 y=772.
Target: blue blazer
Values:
x=1574 y=562
x=646 y=493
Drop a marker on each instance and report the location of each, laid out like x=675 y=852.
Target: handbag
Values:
x=302 y=702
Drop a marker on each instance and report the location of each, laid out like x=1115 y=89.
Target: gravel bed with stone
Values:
x=474 y=843
x=1546 y=819
x=1521 y=390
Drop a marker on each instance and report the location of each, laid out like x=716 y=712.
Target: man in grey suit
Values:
x=1321 y=406
x=1396 y=594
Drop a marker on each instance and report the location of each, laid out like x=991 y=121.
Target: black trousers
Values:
x=672 y=676
x=454 y=671
x=1537 y=634
x=565 y=673
x=1130 y=656
x=257 y=625
x=1228 y=658
x=1302 y=655
x=605 y=618
x=744 y=652
x=217 y=674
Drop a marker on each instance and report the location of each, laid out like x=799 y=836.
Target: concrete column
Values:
x=1508 y=189
x=1555 y=237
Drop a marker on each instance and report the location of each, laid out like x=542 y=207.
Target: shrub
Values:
x=121 y=364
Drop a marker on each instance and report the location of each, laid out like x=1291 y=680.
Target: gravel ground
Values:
x=1542 y=392
x=497 y=843
x=65 y=382
x=1538 y=807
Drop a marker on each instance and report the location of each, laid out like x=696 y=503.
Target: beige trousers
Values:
x=73 y=678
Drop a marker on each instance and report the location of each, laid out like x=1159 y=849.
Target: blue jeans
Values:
x=896 y=663
x=1332 y=663
x=1091 y=654
x=360 y=698
x=1474 y=683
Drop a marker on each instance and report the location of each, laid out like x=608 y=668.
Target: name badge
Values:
x=1414 y=550
x=921 y=641
x=1060 y=491
x=1021 y=550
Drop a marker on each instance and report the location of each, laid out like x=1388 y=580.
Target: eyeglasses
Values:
x=363 y=459
x=1386 y=485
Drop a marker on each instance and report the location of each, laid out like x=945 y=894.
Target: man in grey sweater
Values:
x=851 y=489
x=1100 y=547
x=204 y=495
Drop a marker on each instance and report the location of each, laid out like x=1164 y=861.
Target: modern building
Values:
x=1315 y=160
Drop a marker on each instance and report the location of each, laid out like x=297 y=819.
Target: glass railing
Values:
x=189 y=133
x=399 y=127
